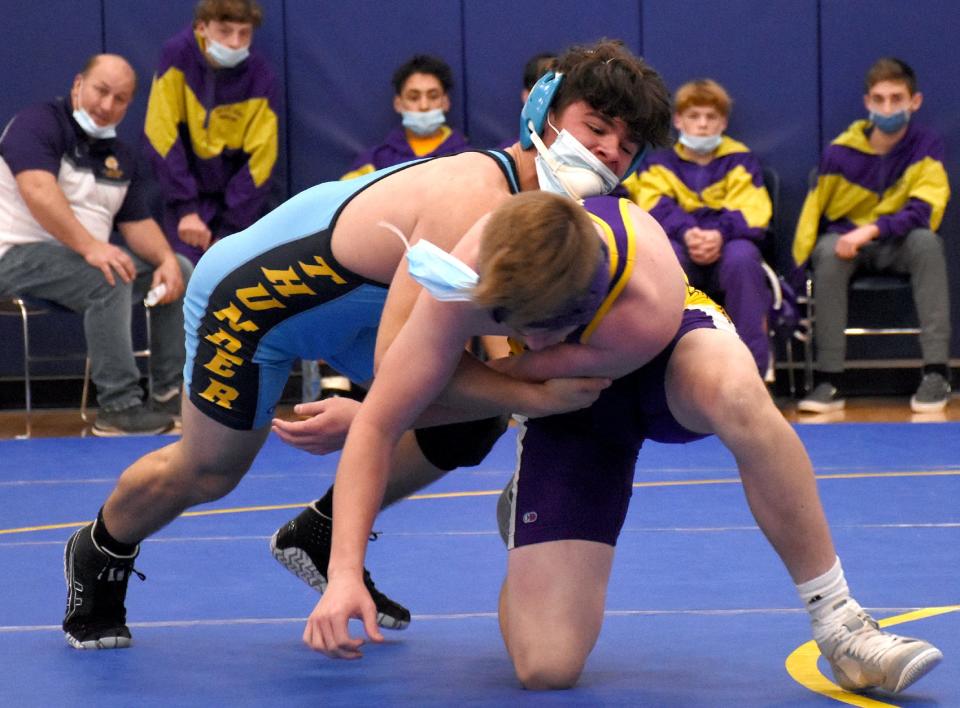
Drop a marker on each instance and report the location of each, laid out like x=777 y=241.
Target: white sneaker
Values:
x=862 y=656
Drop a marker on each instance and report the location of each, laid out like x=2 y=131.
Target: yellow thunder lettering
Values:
x=222 y=364
x=258 y=298
x=220 y=394
x=287 y=282
x=232 y=315
x=224 y=339
x=321 y=269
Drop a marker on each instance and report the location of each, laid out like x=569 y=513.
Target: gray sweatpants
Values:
x=920 y=255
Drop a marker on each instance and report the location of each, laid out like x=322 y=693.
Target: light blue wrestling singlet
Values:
x=274 y=293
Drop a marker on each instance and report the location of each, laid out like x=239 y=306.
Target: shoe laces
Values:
x=868 y=644
x=124 y=564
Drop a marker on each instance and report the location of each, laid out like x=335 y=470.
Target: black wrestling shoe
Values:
x=302 y=545
x=96 y=588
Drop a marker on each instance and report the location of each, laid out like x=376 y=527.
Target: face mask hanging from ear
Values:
x=444 y=276
x=701 y=144
x=568 y=168
x=88 y=124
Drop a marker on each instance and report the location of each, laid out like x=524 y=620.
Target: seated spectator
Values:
x=707 y=193
x=421 y=97
x=65 y=181
x=880 y=195
x=211 y=126
x=536 y=66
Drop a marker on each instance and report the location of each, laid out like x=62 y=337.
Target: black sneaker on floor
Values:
x=137 y=420
x=932 y=395
x=96 y=587
x=825 y=398
x=302 y=546
x=168 y=403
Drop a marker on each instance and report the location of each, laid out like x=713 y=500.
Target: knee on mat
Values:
x=545 y=673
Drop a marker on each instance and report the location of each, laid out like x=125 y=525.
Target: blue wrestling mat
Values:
x=700 y=611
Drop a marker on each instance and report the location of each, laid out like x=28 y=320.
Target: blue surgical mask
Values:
x=700 y=144
x=441 y=274
x=892 y=123
x=89 y=126
x=225 y=56
x=423 y=123
x=568 y=168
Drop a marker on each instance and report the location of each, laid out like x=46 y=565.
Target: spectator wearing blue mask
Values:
x=879 y=198
x=422 y=99
x=66 y=182
x=211 y=126
x=707 y=192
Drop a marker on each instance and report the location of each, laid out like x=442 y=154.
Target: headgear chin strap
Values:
x=533 y=115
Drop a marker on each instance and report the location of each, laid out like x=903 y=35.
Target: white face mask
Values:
x=225 y=56
x=89 y=125
x=568 y=168
x=423 y=123
x=444 y=276
x=701 y=144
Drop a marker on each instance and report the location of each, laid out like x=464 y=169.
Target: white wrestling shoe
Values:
x=862 y=656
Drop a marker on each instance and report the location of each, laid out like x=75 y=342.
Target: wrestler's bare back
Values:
x=438 y=200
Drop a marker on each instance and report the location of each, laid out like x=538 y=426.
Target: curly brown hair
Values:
x=619 y=85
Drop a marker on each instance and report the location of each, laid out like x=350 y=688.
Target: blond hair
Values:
x=703 y=92
x=539 y=252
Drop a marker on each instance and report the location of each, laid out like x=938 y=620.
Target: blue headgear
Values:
x=537 y=107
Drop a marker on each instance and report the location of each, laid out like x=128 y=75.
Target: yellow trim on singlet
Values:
x=629 y=261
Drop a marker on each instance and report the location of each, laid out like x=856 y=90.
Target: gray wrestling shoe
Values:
x=862 y=656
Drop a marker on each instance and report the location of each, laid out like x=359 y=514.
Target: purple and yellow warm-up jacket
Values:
x=903 y=190
x=212 y=133
x=726 y=194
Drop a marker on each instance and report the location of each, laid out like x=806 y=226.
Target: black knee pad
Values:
x=460 y=444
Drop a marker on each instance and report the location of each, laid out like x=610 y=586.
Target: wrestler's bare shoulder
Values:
x=647 y=313
x=438 y=200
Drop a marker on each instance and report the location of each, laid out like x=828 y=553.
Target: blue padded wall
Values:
x=341 y=57
x=501 y=35
x=44 y=47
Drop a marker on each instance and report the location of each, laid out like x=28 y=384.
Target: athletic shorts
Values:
x=575 y=472
x=271 y=294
